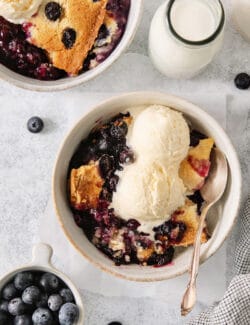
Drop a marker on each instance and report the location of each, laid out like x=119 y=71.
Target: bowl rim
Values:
x=28 y=83
x=181 y=101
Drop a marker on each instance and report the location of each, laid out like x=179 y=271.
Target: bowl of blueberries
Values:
x=39 y=294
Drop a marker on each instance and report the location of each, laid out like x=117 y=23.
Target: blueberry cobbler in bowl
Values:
x=134 y=185
x=50 y=40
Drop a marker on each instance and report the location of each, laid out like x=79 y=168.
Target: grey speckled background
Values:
x=26 y=160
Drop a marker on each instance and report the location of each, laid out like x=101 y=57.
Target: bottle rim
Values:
x=205 y=41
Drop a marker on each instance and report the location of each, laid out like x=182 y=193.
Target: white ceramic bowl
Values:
x=220 y=219
x=66 y=83
x=41 y=261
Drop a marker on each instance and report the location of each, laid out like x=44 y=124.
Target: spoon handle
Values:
x=189 y=298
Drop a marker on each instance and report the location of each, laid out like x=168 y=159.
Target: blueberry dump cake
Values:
x=49 y=40
x=134 y=185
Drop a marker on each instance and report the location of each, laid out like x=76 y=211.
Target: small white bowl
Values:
x=220 y=219
x=69 y=82
x=41 y=261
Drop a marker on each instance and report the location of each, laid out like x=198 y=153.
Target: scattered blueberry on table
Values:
x=37 y=298
x=242 y=81
x=35 y=124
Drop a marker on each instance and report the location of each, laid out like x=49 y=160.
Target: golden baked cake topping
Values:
x=189 y=216
x=67 y=31
x=85 y=186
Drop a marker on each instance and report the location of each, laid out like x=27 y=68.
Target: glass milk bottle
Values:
x=185 y=35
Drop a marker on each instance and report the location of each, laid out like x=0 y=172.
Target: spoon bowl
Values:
x=216 y=182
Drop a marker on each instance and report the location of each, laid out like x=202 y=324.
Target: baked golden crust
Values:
x=85 y=186
x=199 y=155
x=188 y=215
x=83 y=16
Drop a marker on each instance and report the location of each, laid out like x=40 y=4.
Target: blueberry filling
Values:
x=17 y=54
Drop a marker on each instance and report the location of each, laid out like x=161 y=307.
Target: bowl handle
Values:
x=42 y=254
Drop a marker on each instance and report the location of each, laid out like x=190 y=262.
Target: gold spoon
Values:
x=211 y=192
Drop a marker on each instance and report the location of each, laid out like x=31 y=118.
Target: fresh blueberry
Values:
x=68 y=314
x=69 y=37
x=242 y=81
x=4 y=318
x=35 y=124
x=4 y=305
x=43 y=301
x=17 y=307
x=23 y=320
x=67 y=295
x=31 y=295
x=115 y=323
x=55 y=302
x=23 y=280
x=42 y=316
x=49 y=282
x=9 y=291
x=53 y=11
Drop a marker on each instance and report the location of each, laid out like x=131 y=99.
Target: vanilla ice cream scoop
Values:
x=148 y=192
x=160 y=133
x=18 y=11
x=150 y=189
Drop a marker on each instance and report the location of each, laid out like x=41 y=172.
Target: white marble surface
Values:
x=26 y=160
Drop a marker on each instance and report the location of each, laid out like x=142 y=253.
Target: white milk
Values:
x=176 y=52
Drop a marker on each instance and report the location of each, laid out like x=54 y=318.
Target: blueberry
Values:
x=119 y=131
x=31 y=295
x=9 y=291
x=126 y=156
x=23 y=320
x=43 y=301
x=35 y=124
x=69 y=37
x=112 y=182
x=242 y=81
x=4 y=305
x=42 y=316
x=103 y=32
x=49 y=282
x=115 y=323
x=102 y=145
x=68 y=314
x=4 y=318
x=23 y=280
x=53 y=11
x=133 y=224
x=55 y=302
x=67 y=295
x=17 y=307
x=106 y=164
